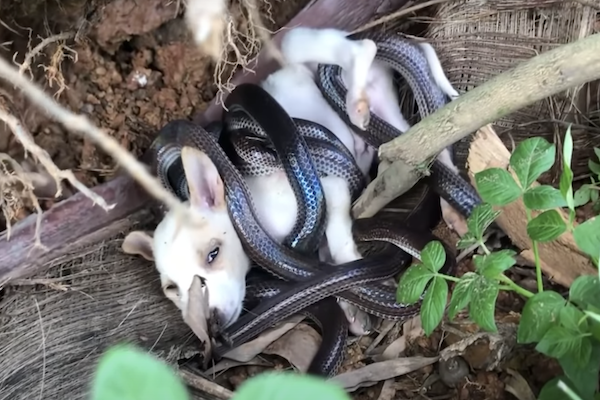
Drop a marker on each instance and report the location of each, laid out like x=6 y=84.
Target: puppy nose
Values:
x=216 y=322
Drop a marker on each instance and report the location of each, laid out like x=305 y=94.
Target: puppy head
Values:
x=212 y=250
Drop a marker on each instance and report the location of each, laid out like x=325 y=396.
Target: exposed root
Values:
x=26 y=65
x=16 y=185
x=215 y=32
x=54 y=70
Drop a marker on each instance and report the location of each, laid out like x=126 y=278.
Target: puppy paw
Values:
x=358 y=110
x=454 y=219
x=360 y=322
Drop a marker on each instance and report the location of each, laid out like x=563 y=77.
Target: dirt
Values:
x=133 y=69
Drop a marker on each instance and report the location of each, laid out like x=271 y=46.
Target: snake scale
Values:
x=257 y=137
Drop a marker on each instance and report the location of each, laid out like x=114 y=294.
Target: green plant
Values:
x=566 y=329
x=128 y=373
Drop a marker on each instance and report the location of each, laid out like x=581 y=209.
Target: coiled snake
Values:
x=258 y=137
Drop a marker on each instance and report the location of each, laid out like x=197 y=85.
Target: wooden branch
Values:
x=562 y=261
x=542 y=76
x=69 y=224
x=74 y=222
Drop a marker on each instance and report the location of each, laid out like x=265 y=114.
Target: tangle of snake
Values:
x=257 y=137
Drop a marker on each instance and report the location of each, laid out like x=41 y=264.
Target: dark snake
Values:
x=256 y=128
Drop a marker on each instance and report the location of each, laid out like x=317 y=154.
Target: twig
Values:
x=81 y=124
x=204 y=385
x=22 y=177
x=398 y=14
x=542 y=76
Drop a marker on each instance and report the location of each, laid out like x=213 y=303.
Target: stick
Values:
x=542 y=76
x=70 y=224
x=204 y=385
x=488 y=151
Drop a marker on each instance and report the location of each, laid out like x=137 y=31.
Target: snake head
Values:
x=211 y=250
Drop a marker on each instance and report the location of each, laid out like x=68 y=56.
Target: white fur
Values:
x=370 y=85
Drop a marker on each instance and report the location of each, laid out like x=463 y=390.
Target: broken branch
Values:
x=542 y=76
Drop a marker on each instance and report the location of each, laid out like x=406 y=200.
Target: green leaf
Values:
x=540 y=312
x=434 y=305
x=570 y=317
x=594 y=195
x=546 y=227
x=593 y=315
x=587 y=237
x=582 y=196
x=597 y=151
x=493 y=264
x=496 y=186
x=585 y=290
x=568 y=147
x=543 y=197
x=483 y=303
x=289 y=386
x=566 y=389
x=584 y=378
x=594 y=323
x=461 y=295
x=413 y=283
x=594 y=167
x=559 y=341
x=433 y=256
x=532 y=158
x=125 y=372
x=466 y=241
x=481 y=218
x=551 y=391
x=565 y=185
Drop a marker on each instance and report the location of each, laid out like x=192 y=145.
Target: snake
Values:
x=303 y=283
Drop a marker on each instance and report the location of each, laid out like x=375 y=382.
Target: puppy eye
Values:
x=212 y=255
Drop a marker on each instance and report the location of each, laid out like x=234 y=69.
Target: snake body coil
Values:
x=256 y=128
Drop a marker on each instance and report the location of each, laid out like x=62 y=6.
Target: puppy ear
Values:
x=204 y=182
x=138 y=242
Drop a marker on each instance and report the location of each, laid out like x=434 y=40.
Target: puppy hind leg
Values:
x=342 y=248
x=331 y=46
x=439 y=76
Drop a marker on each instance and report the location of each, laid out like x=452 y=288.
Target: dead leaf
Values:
x=411 y=329
x=380 y=371
x=298 y=346
x=518 y=386
x=484 y=350
x=388 y=391
x=196 y=316
x=251 y=349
